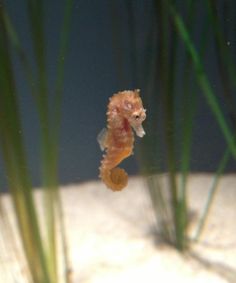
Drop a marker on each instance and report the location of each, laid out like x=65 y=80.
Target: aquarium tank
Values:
x=112 y=107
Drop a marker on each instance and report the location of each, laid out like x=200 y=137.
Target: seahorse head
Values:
x=134 y=111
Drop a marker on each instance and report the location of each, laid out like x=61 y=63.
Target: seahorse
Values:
x=125 y=111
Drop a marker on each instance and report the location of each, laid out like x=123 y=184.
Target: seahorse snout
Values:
x=139 y=130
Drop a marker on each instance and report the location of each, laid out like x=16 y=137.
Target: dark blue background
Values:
x=92 y=76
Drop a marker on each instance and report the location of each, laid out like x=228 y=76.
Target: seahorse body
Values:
x=125 y=111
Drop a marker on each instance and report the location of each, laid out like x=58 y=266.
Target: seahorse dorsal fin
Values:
x=101 y=138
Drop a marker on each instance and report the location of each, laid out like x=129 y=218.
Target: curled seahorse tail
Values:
x=115 y=179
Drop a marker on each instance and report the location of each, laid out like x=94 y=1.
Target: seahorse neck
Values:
x=120 y=122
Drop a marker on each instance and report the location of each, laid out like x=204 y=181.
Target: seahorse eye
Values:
x=137 y=117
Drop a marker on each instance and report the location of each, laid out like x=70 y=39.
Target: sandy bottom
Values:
x=111 y=236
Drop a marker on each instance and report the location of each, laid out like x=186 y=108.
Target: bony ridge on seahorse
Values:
x=125 y=111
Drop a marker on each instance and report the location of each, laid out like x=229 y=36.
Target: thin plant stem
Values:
x=58 y=92
x=223 y=62
x=15 y=41
x=16 y=165
x=160 y=208
x=211 y=195
x=204 y=83
x=189 y=109
x=49 y=129
x=36 y=15
x=168 y=71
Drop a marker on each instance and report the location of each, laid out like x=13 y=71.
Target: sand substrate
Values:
x=111 y=236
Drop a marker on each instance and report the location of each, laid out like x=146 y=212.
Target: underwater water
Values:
x=98 y=41
x=89 y=86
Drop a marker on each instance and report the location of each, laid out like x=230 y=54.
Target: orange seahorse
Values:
x=125 y=111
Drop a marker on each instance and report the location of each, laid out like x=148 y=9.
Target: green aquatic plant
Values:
x=171 y=89
x=40 y=251
x=212 y=101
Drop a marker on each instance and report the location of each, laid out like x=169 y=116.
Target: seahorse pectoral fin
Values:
x=139 y=130
x=101 y=138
